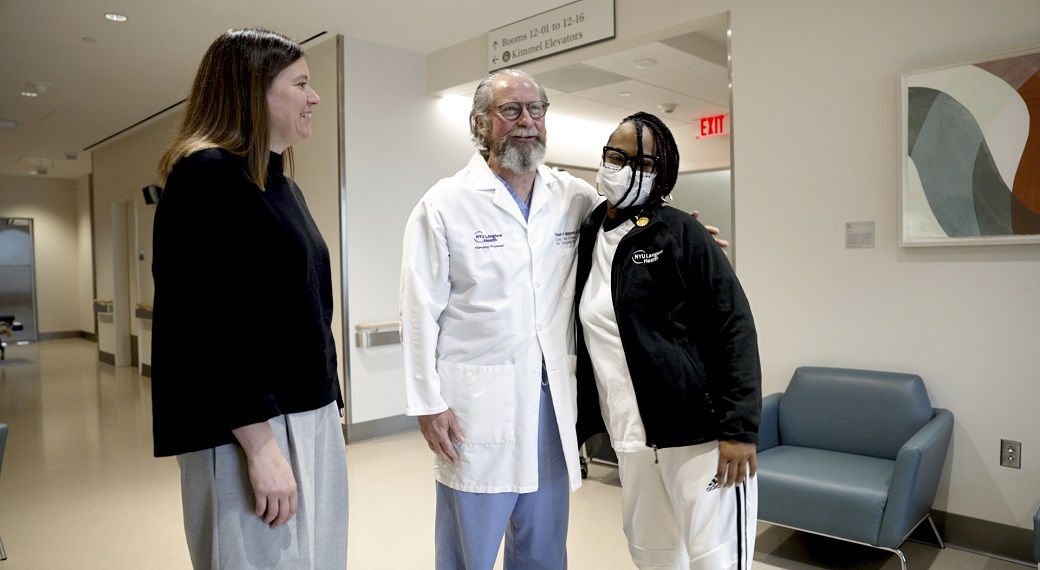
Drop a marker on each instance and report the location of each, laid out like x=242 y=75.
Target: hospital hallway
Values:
x=79 y=488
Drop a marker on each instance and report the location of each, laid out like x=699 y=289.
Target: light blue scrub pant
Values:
x=470 y=526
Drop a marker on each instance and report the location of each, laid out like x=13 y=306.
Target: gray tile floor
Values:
x=80 y=489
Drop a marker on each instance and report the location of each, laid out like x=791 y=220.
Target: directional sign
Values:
x=565 y=28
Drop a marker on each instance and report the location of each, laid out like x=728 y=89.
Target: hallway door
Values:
x=17 y=277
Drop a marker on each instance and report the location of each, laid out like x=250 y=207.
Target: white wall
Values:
x=814 y=146
x=121 y=167
x=85 y=255
x=400 y=141
x=317 y=171
x=52 y=205
x=710 y=193
x=965 y=319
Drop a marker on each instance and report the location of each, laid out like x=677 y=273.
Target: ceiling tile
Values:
x=624 y=62
x=577 y=78
x=705 y=81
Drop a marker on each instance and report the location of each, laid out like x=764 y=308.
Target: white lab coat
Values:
x=484 y=296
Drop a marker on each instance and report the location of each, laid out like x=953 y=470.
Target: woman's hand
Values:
x=270 y=475
x=737 y=461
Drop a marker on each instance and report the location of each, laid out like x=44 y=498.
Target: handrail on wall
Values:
x=375 y=326
x=367 y=335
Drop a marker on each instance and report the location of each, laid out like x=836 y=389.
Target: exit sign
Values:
x=714 y=126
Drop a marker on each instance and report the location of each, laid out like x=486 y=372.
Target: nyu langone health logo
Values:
x=640 y=257
x=481 y=237
x=487 y=240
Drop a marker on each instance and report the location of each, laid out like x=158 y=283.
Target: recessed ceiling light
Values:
x=30 y=94
x=645 y=62
x=115 y=17
x=625 y=94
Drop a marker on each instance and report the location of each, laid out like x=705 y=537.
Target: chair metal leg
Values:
x=3 y=553
x=896 y=551
x=902 y=558
x=935 y=531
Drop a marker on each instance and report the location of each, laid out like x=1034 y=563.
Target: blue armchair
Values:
x=3 y=446
x=1036 y=539
x=852 y=454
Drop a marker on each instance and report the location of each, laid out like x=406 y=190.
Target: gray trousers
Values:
x=222 y=528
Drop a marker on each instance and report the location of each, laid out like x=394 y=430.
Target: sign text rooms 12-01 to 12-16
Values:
x=551 y=32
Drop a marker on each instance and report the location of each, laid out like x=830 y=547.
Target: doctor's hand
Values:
x=439 y=431
x=736 y=462
x=713 y=231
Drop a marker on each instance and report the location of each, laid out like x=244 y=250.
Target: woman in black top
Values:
x=237 y=262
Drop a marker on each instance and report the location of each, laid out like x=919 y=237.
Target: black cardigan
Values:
x=242 y=314
x=686 y=328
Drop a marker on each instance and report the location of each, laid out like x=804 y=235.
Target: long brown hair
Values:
x=227 y=107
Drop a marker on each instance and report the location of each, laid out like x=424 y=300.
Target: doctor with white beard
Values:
x=487 y=289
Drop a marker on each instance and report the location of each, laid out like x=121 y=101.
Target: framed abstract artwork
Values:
x=970 y=153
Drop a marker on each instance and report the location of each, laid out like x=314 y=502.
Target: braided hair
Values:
x=667 y=152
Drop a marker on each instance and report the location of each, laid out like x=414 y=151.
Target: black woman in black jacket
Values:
x=668 y=361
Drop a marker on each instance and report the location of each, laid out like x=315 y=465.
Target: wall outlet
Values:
x=1010 y=453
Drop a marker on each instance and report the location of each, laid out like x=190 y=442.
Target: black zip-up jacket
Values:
x=686 y=328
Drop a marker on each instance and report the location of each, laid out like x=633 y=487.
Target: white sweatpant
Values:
x=677 y=517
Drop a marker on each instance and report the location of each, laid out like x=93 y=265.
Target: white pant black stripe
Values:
x=744 y=554
x=676 y=517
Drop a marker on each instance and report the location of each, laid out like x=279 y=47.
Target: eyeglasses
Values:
x=617 y=158
x=511 y=111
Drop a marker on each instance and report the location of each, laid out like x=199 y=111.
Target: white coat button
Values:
x=540 y=328
x=537 y=284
